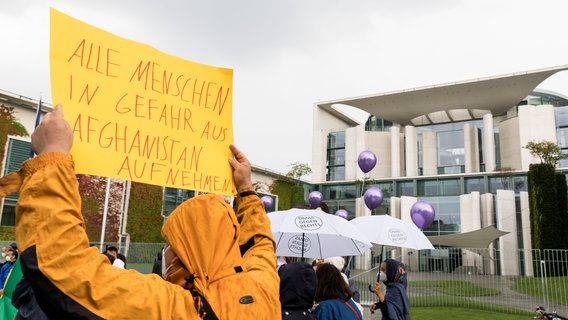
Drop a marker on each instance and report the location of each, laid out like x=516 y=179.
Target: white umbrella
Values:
x=315 y=234
x=388 y=231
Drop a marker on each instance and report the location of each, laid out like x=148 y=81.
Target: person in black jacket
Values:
x=297 y=290
x=157 y=268
x=24 y=300
x=394 y=304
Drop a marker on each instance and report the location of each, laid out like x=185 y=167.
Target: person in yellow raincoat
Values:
x=220 y=263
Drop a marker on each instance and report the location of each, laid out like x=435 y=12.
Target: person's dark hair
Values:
x=331 y=284
x=111 y=248
x=110 y=257
x=14 y=252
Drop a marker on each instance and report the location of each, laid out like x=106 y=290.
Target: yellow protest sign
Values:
x=139 y=114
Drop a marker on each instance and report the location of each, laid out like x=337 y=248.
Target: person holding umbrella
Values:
x=394 y=304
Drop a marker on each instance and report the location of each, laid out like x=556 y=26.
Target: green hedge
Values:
x=544 y=207
x=145 y=213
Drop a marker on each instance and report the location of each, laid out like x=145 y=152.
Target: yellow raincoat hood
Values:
x=203 y=232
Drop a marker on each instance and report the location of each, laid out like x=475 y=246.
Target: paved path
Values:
x=507 y=297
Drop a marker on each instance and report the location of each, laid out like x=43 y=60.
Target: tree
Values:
x=93 y=193
x=548 y=151
x=548 y=216
x=298 y=170
x=9 y=126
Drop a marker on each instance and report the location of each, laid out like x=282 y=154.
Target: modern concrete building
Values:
x=458 y=146
x=17 y=148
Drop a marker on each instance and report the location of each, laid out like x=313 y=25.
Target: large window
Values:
x=451 y=150
x=335 y=156
x=173 y=198
x=508 y=182
x=561 y=114
x=438 y=187
x=405 y=188
x=450 y=145
x=340 y=192
x=475 y=184
x=377 y=124
x=17 y=151
x=447 y=220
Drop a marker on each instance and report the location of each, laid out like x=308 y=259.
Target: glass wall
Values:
x=508 y=182
x=439 y=187
x=451 y=150
x=173 y=198
x=335 y=164
x=450 y=145
x=561 y=114
x=475 y=184
x=377 y=124
x=447 y=220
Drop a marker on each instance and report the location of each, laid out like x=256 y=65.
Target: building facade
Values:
x=458 y=146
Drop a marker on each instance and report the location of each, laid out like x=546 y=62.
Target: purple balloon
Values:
x=268 y=203
x=373 y=197
x=315 y=198
x=342 y=213
x=367 y=161
x=422 y=214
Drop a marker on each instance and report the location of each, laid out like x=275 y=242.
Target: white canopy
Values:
x=481 y=238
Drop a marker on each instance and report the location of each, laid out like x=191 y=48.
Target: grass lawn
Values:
x=556 y=288
x=436 y=313
x=456 y=288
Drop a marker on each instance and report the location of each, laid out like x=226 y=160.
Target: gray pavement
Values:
x=508 y=298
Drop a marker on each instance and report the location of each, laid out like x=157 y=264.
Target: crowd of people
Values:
x=218 y=261
x=323 y=291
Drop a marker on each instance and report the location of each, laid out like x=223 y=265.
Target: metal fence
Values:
x=488 y=279
x=139 y=256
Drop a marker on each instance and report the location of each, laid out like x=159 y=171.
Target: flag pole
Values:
x=38 y=117
x=105 y=211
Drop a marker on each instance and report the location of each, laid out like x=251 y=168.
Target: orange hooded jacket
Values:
x=72 y=280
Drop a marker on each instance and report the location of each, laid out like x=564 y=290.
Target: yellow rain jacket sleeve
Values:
x=72 y=280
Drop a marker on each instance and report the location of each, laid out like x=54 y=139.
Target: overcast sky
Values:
x=287 y=55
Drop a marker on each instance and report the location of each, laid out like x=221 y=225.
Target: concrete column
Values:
x=487 y=219
x=410 y=259
x=470 y=212
x=395 y=151
x=488 y=143
x=429 y=154
x=468 y=147
x=411 y=147
x=362 y=262
x=471 y=148
x=487 y=210
x=531 y=120
x=470 y=221
x=526 y=227
x=507 y=221
x=395 y=207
